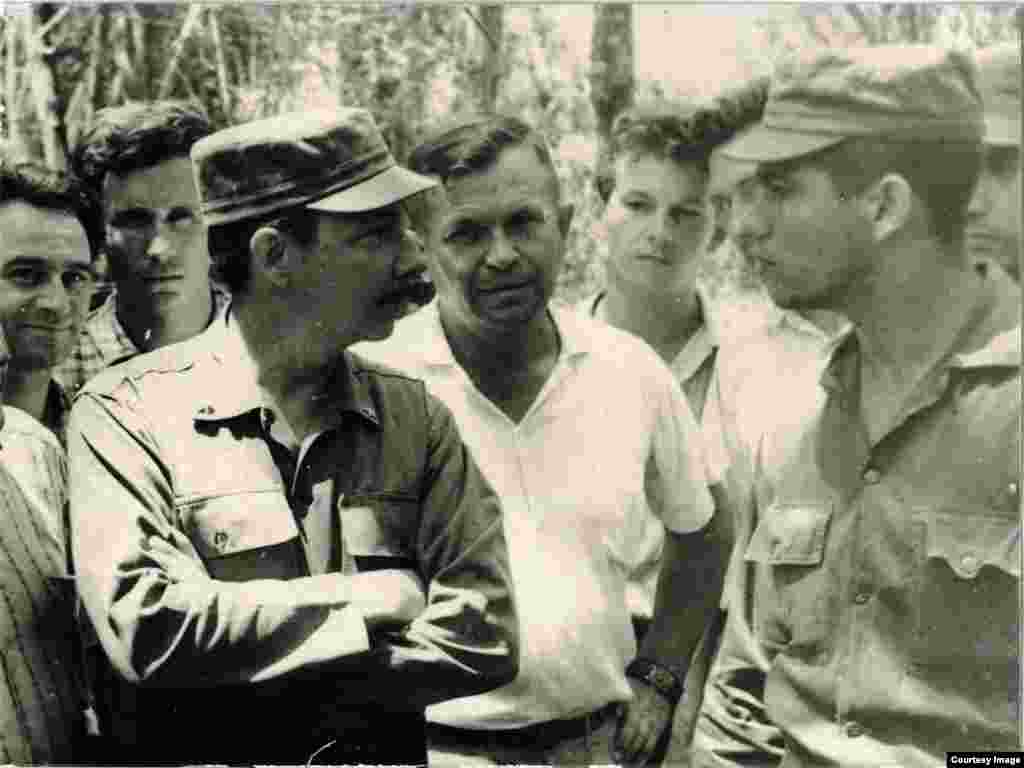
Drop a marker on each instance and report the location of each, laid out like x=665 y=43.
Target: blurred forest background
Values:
x=568 y=69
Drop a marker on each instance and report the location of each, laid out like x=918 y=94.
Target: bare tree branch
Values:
x=222 y=65
x=167 y=81
x=53 y=21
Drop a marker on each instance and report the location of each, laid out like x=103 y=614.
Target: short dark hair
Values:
x=136 y=136
x=471 y=144
x=676 y=132
x=55 y=191
x=941 y=173
x=228 y=244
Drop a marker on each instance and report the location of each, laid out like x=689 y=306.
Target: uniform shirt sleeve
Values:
x=466 y=640
x=677 y=485
x=200 y=632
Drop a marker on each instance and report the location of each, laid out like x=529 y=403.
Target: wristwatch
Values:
x=660 y=678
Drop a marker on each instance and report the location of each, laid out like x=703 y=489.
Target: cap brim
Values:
x=387 y=187
x=764 y=144
x=1002 y=131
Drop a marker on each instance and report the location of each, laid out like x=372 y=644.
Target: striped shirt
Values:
x=39 y=703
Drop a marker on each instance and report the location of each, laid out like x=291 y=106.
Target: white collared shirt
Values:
x=571 y=478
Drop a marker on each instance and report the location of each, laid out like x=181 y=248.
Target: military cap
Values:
x=818 y=98
x=327 y=160
x=999 y=81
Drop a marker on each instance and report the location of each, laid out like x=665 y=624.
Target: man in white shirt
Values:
x=584 y=433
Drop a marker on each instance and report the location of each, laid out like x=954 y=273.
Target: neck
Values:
x=151 y=328
x=495 y=348
x=665 y=321
x=281 y=352
x=908 y=317
x=27 y=390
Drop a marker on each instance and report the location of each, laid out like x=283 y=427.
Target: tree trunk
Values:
x=492 y=21
x=611 y=68
x=44 y=88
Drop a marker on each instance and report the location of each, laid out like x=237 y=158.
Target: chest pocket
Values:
x=968 y=592
x=380 y=530
x=788 y=548
x=244 y=536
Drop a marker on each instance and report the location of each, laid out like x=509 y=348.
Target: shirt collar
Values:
x=980 y=344
x=237 y=391
x=434 y=348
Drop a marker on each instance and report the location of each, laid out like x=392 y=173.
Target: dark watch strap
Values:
x=660 y=678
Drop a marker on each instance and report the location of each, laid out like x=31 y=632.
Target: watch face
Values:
x=661 y=678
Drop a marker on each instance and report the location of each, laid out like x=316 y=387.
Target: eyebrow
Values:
x=39 y=261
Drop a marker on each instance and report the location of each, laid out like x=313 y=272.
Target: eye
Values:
x=77 y=281
x=521 y=222
x=131 y=220
x=637 y=205
x=181 y=218
x=464 y=234
x=28 y=277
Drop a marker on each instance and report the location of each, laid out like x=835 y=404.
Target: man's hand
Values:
x=388 y=597
x=179 y=561
x=641 y=724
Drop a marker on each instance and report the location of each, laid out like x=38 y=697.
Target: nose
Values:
x=54 y=298
x=981 y=200
x=501 y=252
x=662 y=230
x=747 y=221
x=412 y=253
x=159 y=246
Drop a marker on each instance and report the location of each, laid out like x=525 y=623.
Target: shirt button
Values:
x=853 y=729
x=970 y=564
x=861 y=597
x=220 y=540
x=872 y=476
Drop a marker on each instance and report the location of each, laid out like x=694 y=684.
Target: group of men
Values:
x=304 y=510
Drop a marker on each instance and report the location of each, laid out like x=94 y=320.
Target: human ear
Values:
x=271 y=255
x=889 y=205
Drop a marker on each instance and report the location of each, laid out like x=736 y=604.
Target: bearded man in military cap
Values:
x=881 y=538
x=289 y=552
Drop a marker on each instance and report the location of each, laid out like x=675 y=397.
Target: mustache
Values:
x=419 y=290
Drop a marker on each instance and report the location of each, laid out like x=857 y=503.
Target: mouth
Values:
x=45 y=328
x=984 y=240
x=505 y=287
x=162 y=278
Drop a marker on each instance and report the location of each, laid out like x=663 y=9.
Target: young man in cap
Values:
x=884 y=538
x=135 y=158
x=51 y=231
x=286 y=549
x=993 y=218
x=587 y=439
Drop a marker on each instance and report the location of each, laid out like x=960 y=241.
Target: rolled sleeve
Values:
x=677 y=485
x=202 y=632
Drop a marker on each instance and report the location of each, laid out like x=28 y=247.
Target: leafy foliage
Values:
x=412 y=64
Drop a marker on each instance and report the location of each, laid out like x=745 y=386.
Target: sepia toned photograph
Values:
x=464 y=385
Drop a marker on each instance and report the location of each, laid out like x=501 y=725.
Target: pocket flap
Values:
x=225 y=525
x=380 y=527
x=967 y=541
x=790 y=534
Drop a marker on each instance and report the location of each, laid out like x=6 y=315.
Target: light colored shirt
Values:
x=103 y=341
x=571 y=477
